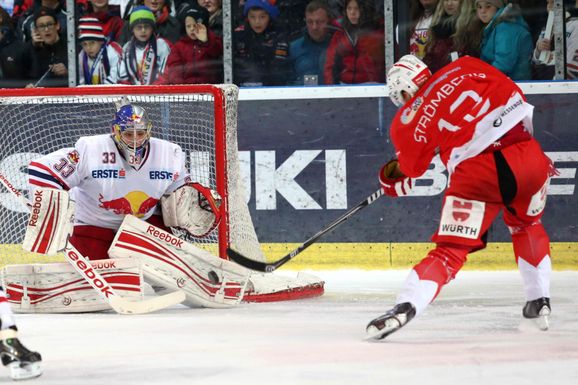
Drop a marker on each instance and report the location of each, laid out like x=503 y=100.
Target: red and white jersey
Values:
x=460 y=111
x=104 y=186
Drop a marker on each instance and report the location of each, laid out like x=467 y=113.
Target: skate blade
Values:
x=372 y=333
x=25 y=371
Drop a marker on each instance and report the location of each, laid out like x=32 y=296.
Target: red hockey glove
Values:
x=392 y=180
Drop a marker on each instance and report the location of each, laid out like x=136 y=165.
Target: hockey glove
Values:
x=393 y=182
x=192 y=207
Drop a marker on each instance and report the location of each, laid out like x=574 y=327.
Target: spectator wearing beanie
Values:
x=167 y=26
x=260 y=49
x=196 y=58
x=144 y=56
x=49 y=53
x=506 y=42
x=98 y=56
x=109 y=15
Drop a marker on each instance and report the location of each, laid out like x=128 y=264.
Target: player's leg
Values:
x=22 y=362
x=531 y=168
x=471 y=204
x=92 y=241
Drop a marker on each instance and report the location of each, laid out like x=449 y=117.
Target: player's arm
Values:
x=52 y=211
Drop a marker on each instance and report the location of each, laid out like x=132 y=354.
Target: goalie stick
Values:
x=272 y=266
x=84 y=268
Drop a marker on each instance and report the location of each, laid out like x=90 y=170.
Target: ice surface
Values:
x=472 y=334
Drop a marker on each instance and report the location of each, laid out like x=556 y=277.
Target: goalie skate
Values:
x=391 y=321
x=23 y=363
x=538 y=311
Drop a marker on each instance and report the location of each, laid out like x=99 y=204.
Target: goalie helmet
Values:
x=131 y=131
x=408 y=74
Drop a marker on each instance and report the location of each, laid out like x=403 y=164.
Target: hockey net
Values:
x=202 y=119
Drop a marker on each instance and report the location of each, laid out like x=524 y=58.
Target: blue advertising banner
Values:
x=311 y=160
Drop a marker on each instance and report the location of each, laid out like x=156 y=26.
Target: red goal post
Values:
x=202 y=119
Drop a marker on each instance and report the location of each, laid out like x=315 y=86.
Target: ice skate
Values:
x=23 y=363
x=538 y=311
x=391 y=321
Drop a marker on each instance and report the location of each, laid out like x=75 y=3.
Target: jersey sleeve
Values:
x=59 y=170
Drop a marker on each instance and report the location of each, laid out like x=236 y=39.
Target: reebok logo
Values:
x=88 y=272
x=170 y=239
x=35 y=209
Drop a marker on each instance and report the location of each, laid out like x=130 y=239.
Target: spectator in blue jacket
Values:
x=307 y=53
x=506 y=42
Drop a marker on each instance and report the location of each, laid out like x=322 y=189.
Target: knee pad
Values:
x=531 y=243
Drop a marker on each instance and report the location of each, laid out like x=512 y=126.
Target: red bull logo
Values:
x=136 y=203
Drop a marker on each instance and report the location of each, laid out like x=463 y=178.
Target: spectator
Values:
x=98 y=56
x=307 y=53
x=260 y=50
x=26 y=21
x=196 y=57
x=144 y=56
x=440 y=44
x=108 y=15
x=49 y=52
x=506 y=43
x=421 y=15
x=469 y=31
x=14 y=55
x=356 y=52
x=167 y=26
x=215 y=8
x=544 y=59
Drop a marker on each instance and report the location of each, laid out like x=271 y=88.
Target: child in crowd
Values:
x=506 y=43
x=356 y=53
x=144 y=56
x=196 y=57
x=260 y=51
x=98 y=56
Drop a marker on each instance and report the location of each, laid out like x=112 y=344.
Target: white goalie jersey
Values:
x=104 y=186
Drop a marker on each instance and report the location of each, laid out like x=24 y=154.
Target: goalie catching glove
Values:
x=51 y=221
x=192 y=207
x=393 y=182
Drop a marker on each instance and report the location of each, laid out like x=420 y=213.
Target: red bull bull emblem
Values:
x=73 y=156
x=136 y=203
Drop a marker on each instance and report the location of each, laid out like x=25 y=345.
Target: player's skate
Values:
x=23 y=363
x=539 y=311
x=391 y=321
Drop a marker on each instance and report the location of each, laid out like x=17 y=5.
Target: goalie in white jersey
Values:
x=126 y=172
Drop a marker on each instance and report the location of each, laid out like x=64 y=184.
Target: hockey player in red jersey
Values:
x=480 y=124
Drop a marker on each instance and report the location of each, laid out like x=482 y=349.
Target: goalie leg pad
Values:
x=58 y=288
x=207 y=280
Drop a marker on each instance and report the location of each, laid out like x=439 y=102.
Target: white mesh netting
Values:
x=31 y=126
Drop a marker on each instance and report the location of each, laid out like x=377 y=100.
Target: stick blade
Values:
x=125 y=306
x=249 y=263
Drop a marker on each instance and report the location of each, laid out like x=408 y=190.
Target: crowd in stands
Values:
x=274 y=42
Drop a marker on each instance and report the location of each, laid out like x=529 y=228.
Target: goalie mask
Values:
x=408 y=74
x=131 y=131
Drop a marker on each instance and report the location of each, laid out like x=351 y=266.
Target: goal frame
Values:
x=220 y=122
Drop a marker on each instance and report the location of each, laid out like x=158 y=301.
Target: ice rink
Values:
x=472 y=334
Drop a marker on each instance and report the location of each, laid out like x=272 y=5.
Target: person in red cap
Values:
x=98 y=55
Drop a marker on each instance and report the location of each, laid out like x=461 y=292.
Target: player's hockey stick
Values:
x=272 y=266
x=84 y=268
